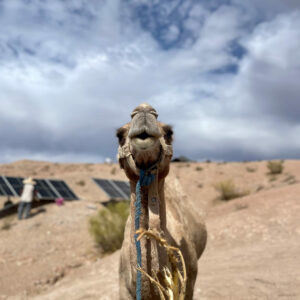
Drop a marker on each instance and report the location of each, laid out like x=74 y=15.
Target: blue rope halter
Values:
x=146 y=178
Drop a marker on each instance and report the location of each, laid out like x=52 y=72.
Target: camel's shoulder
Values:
x=179 y=204
x=184 y=220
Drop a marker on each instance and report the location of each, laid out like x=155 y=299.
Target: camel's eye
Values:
x=154 y=113
x=133 y=114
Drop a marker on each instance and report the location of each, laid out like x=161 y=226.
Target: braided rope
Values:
x=145 y=179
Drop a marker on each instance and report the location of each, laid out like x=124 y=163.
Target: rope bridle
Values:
x=149 y=178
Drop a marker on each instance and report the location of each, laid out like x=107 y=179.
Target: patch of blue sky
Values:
x=165 y=25
x=237 y=50
x=228 y=69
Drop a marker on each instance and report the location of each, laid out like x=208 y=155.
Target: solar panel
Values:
x=16 y=183
x=4 y=188
x=44 y=190
x=123 y=186
x=114 y=189
x=62 y=189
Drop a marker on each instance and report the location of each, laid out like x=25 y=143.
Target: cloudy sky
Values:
x=224 y=73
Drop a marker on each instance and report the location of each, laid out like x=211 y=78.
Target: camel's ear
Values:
x=121 y=135
x=168 y=134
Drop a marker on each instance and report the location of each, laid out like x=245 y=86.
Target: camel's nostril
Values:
x=144 y=135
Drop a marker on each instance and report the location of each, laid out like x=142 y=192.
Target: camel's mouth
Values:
x=143 y=140
x=143 y=136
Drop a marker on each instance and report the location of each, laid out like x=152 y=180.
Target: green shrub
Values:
x=228 y=190
x=275 y=167
x=107 y=227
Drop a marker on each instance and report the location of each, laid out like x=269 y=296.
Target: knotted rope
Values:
x=146 y=178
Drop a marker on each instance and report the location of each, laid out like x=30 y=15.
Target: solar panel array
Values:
x=46 y=188
x=115 y=189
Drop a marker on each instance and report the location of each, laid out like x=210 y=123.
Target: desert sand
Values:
x=253 y=241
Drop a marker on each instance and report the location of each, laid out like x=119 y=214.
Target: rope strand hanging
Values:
x=146 y=178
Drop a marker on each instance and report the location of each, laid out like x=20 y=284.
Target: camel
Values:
x=146 y=144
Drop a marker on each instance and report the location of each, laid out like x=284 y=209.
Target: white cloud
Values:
x=269 y=73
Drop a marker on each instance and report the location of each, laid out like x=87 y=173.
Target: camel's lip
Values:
x=143 y=141
x=143 y=135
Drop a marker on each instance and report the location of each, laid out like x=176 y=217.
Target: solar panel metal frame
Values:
x=12 y=190
x=43 y=186
x=108 y=188
x=65 y=188
x=118 y=192
x=120 y=185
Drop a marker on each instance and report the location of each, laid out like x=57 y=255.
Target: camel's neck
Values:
x=153 y=216
x=152 y=206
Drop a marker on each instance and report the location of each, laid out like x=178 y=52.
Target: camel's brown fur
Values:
x=179 y=223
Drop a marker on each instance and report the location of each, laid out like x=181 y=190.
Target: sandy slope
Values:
x=252 y=252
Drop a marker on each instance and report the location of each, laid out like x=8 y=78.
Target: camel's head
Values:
x=145 y=140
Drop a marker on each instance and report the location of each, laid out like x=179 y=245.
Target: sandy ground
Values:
x=253 y=245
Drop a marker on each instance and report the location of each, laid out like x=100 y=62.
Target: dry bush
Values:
x=290 y=179
x=199 y=168
x=7 y=223
x=81 y=183
x=272 y=178
x=113 y=171
x=107 y=227
x=251 y=170
x=241 y=206
x=45 y=168
x=275 y=167
x=228 y=190
x=259 y=188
